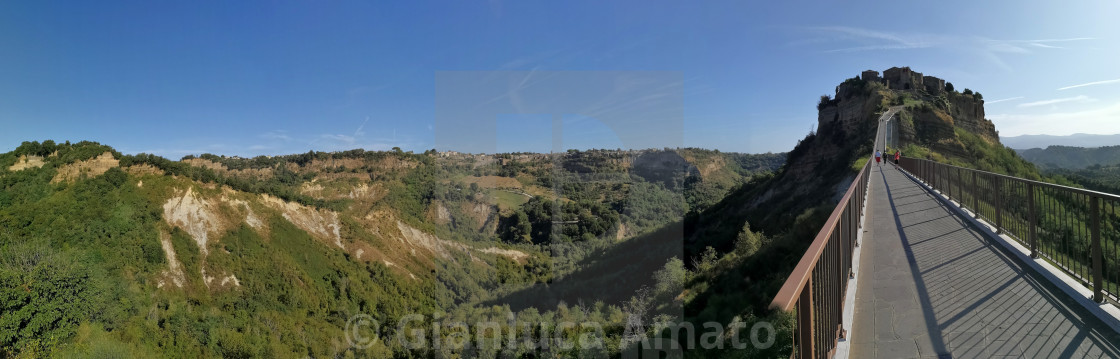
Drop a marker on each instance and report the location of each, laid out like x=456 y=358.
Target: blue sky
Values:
x=249 y=78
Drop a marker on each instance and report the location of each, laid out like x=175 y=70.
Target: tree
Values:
x=949 y=87
x=825 y=100
x=967 y=91
x=978 y=95
x=748 y=242
x=43 y=295
x=519 y=228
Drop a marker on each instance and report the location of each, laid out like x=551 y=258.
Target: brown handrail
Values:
x=787 y=296
x=817 y=287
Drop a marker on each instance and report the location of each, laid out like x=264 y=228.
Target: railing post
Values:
x=805 y=322
x=975 y=197
x=999 y=203
x=949 y=181
x=933 y=175
x=938 y=172
x=943 y=178
x=1033 y=221
x=960 y=187
x=1095 y=249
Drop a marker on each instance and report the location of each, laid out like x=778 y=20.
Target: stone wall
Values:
x=933 y=85
x=902 y=78
x=871 y=76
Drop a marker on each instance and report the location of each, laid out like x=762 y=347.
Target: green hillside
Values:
x=111 y=255
x=1066 y=157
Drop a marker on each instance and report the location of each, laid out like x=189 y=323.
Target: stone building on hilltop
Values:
x=903 y=78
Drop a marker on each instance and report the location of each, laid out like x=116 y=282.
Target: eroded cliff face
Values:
x=822 y=165
x=968 y=114
x=939 y=122
x=854 y=102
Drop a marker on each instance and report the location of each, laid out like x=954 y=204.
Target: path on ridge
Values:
x=932 y=286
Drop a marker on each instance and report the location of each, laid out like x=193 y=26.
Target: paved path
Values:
x=931 y=286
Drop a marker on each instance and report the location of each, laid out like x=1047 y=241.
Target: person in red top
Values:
x=897 y=155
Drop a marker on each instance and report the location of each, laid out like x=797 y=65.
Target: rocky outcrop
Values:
x=968 y=114
x=854 y=102
x=25 y=162
x=321 y=224
x=194 y=215
x=90 y=168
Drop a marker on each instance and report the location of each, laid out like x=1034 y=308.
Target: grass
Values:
x=507 y=201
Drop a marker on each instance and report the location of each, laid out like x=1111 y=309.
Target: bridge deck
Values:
x=932 y=286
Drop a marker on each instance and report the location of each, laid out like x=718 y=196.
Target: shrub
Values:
x=825 y=101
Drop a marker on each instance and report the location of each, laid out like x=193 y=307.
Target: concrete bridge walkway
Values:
x=933 y=286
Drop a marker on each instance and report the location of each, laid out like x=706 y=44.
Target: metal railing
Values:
x=818 y=284
x=816 y=289
x=1075 y=229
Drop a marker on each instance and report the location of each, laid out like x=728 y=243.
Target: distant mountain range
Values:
x=1072 y=157
x=1077 y=139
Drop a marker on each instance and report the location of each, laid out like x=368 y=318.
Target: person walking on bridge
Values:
x=878 y=155
x=897 y=155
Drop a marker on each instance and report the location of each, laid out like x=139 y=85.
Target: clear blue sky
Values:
x=249 y=78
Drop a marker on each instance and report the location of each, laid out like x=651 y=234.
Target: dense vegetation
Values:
x=81 y=263
x=1095 y=177
x=1074 y=158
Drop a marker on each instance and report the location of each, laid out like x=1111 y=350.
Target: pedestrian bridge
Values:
x=926 y=260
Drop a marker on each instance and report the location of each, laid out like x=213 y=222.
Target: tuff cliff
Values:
x=934 y=114
x=935 y=117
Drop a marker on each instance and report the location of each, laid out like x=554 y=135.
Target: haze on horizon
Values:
x=253 y=78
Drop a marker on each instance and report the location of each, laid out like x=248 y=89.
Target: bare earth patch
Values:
x=26 y=162
x=250 y=217
x=194 y=215
x=174 y=270
x=143 y=169
x=418 y=238
x=264 y=173
x=321 y=224
x=91 y=168
x=311 y=189
x=364 y=191
x=515 y=255
x=443 y=215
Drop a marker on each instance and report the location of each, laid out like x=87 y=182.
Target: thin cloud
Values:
x=359 y=132
x=1055 y=40
x=862 y=40
x=882 y=40
x=1081 y=98
x=1004 y=99
x=1101 y=120
x=1094 y=83
x=336 y=138
x=276 y=135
